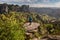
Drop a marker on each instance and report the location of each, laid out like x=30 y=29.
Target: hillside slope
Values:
x=50 y=11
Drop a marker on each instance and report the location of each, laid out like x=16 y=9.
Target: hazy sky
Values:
x=34 y=3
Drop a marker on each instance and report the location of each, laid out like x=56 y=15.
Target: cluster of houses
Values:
x=7 y=8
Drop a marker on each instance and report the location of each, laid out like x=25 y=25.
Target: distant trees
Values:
x=7 y=8
x=14 y=7
x=25 y=8
x=3 y=8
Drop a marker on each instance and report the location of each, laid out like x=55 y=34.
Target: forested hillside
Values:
x=55 y=12
x=11 y=25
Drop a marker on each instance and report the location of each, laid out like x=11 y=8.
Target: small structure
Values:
x=3 y=8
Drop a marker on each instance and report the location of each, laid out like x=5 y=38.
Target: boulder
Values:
x=31 y=27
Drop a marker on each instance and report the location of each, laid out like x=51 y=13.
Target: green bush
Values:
x=11 y=27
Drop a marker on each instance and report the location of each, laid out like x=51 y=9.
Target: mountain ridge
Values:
x=50 y=11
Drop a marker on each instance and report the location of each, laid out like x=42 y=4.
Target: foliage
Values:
x=11 y=25
x=11 y=28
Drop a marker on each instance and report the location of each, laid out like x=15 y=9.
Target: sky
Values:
x=34 y=3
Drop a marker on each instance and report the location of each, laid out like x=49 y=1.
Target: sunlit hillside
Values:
x=11 y=25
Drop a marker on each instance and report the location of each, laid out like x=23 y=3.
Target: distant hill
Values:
x=50 y=11
x=25 y=8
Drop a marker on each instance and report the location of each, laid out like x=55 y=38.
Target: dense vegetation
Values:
x=11 y=25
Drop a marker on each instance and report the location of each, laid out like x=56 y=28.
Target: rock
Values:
x=54 y=37
x=31 y=27
x=51 y=37
x=35 y=39
x=28 y=33
x=35 y=30
x=44 y=39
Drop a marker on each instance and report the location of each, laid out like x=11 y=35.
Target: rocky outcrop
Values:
x=7 y=8
x=31 y=29
x=3 y=8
